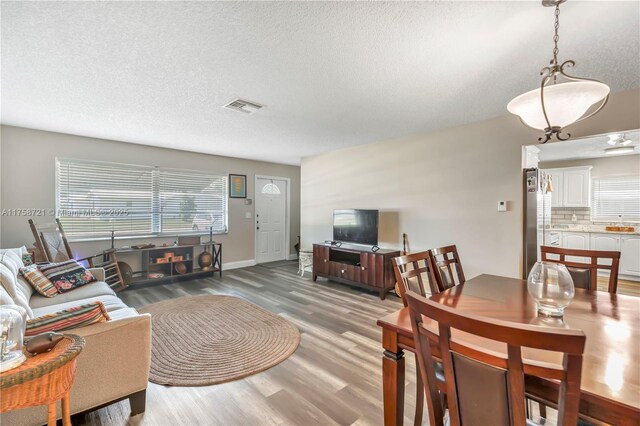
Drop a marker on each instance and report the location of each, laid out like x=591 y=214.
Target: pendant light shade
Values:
x=562 y=99
x=565 y=103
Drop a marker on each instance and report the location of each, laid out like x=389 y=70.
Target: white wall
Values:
x=27 y=172
x=623 y=165
x=442 y=187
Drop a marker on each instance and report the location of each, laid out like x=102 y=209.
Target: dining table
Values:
x=610 y=382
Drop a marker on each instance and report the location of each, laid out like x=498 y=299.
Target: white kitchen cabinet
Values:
x=630 y=255
x=608 y=242
x=571 y=186
x=576 y=240
x=556 y=187
x=605 y=242
x=576 y=187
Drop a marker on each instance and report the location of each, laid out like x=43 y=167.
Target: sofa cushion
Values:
x=39 y=281
x=68 y=319
x=18 y=250
x=67 y=275
x=9 y=282
x=23 y=285
x=5 y=299
x=123 y=313
x=12 y=261
x=111 y=304
x=94 y=289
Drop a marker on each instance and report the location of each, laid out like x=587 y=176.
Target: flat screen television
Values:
x=356 y=226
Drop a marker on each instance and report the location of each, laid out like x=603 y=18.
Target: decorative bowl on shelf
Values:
x=551 y=286
x=180 y=268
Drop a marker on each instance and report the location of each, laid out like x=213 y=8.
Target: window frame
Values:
x=156 y=213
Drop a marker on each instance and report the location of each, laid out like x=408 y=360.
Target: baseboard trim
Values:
x=238 y=264
x=292 y=257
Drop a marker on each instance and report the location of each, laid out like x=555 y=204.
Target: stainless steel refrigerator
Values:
x=537 y=187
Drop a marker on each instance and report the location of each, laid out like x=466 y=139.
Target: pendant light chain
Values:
x=556 y=37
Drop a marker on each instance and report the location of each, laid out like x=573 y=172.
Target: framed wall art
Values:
x=237 y=186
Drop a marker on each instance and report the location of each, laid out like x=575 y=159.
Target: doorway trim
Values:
x=287 y=215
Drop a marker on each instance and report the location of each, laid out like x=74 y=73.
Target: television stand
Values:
x=368 y=268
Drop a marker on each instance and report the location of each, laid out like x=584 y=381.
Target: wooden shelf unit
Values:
x=149 y=262
x=355 y=266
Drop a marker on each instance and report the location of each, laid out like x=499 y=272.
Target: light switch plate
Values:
x=247 y=215
x=502 y=206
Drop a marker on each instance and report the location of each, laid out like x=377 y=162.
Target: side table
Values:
x=43 y=380
x=305 y=258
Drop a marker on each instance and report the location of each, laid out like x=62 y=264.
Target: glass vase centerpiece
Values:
x=12 y=325
x=551 y=286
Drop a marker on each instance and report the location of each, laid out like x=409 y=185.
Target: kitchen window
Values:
x=616 y=197
x=93 y=198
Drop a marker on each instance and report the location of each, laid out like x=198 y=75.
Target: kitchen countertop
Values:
x=591 y=229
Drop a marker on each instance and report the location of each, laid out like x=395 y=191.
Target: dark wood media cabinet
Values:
x=354 y=266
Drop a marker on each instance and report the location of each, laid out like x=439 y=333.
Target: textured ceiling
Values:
x=331 y=74
x=584 y=148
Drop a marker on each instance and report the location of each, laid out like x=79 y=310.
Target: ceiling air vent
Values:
x=242 y=105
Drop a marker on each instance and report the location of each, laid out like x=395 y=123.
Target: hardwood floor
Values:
x=629 y=288
x=334 y=377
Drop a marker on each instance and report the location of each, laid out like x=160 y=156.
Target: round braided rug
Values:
x=204 y=340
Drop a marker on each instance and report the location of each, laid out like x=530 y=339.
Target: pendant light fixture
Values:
x=562 y=99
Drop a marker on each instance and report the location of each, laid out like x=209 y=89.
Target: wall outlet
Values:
x=502 y=206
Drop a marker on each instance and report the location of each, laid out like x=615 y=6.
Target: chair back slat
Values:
x=446 y=261
x=481 y=385
x=579 y=270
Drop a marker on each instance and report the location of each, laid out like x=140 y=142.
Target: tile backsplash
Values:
x=563 y=215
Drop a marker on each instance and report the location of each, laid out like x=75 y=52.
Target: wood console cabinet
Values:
x=353 y=266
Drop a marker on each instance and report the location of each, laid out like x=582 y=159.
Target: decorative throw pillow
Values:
x=67 y=275
x=78 y=316
x=39 y=281
x=27 y=258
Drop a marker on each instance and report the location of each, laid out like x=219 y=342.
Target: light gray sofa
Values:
x=114 y=364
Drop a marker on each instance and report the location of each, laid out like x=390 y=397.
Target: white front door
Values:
x=271 y=211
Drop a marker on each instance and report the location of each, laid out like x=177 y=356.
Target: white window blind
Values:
x=192 y=201
x=93 y=198
x=616 y=196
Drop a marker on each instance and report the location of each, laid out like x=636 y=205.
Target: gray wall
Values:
x=28 y=169
x=443 y=187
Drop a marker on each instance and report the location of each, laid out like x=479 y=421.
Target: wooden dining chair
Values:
x=414 y=272
x=447 y=267
x=585 y=275
x=53 y=246
x=485 y=388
